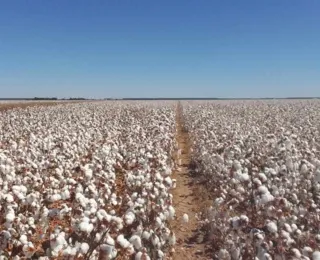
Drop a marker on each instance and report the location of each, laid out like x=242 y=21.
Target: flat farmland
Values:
x=160 y=180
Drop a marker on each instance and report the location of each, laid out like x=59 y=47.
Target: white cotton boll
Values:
x=141 y=256
x=263 y=177
x=55 y=197
x=88 y=173
x=124 y=243
x=237 y=165
x=185 y=218
x=296 y=252
x=285 y=234
x=294 y=227
x=130 y=250
x=304 y=169
x=172 y=212
x=267 y=197
x=306 y=251
x=31 y=222
x=118 y=221
x=141 y=201
x=172 y=239
x=65 y=194
x=146 y=235
x=26 y=250
x=155 y=240
x=84 y=248
x=224 y=254
x=107 y=249
x=160 y=255
x=158 y=222
x=168 y=181
x=244 y=177
x=129 y=218
x=102 y=214
x=10 y=217
x=316 y=255
x=60 y=239
x=86 y=227
x=23 y=239
x=136 y=242
x=240 y=189
x=234 y=222
x=67 y=251
x=73 y=251
x=31 y=198
x=287 y=227
x=218 y=201
x=9 y=198
x=263 y=189
x=272 y=227
x=23 y=189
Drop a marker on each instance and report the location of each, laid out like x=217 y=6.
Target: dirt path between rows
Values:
x=187 y=198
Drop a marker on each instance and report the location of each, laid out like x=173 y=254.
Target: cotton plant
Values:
x=260 y=162
x=88 y=180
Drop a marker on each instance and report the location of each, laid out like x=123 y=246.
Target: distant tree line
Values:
x=45 y=98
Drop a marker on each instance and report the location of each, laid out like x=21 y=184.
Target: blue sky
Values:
x=148 y=48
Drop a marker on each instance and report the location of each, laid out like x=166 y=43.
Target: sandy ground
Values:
x=188 y=197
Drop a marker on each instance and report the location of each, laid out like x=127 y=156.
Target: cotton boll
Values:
x=65 y=194
x=129 y=218
x=10 y=216
x=306 y=251
x=263 y=177
x=304 y=169
x=130 y=250
x=296 y=252
x=237 y=165
x=28 y=250
x=86 y=227
x=224 y=254
x=316 y=255
x=158 y=222
x=23 y=239
x=267 y=197
x=124 y=243
x=142 y=256
x=172 y=212
x=146 y=235
x=185 y=218
x=272 y=227
x=263 y=190
x=172 y=239
x=218 y=201
x=84 y=248
x=56 y=197
x=136 y=242
x=155 y=240
x=9 y=198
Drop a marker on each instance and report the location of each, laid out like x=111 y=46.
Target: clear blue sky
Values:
x=149 y=48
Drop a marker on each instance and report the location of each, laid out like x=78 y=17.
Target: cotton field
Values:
x=86 y=181
x=260 y=161
x=95 y=180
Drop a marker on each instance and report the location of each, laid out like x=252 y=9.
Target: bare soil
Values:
x=188 y=197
